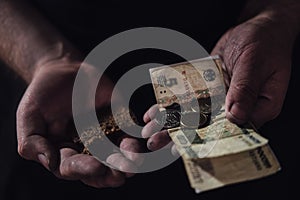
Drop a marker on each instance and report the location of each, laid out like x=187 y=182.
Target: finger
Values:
x=247 y=74
x=240 y=101
x=150 y=113
x=76 y=166
x=150 y=128
x=112 y=178
x=39 y=149
x=132 y=149
x=32 y=143
x=84 y=167
x=246 y=82
x=158 y=140
x=121 y=163
x=240 y=69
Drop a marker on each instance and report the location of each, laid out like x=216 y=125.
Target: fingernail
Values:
x=44 y=160
x=150 y=145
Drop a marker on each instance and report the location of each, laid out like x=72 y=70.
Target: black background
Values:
x=21 y=179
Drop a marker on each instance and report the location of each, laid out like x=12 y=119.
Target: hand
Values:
x=44 y=135
x=257 y=65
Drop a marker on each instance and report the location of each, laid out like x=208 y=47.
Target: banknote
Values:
x=180 y=83
x=218 y=139
x=185 y=89
x=216 y=152
x=223 y=153
x=210 y=173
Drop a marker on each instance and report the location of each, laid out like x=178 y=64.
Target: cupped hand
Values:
x=45 y=134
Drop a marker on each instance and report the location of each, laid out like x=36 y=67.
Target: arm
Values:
x=49 y=63
x=24 y=39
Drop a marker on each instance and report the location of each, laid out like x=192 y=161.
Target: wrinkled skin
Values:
x=257 y=65
x=257 y=59
x=44 y=133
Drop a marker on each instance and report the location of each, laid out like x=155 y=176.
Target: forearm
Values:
x=27 y=40
x=285 y=12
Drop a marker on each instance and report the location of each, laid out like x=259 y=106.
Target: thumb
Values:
x=32 y=141
x=243 y=90
x=39 y=149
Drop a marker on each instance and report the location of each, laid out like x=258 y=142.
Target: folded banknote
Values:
x=215 y=151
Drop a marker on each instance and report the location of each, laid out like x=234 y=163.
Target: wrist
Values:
x=57 y=56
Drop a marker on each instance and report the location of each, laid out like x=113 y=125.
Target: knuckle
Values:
x=66 y=168
x=23 y=148
x=150 y=128
x=131 y=145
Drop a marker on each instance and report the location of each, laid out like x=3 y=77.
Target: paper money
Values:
x=183 y=82
x=215 y=140
x=210 y=173
x=217 y=152
x=215 y=159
